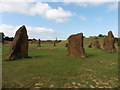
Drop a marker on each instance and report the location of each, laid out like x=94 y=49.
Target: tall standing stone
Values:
x=108 y=43
x=19 y=47
x=54 y=43
x=90 y=45
x=1 y=37
x=118 y=42
x=96 y=44
x=66 y=45
x=39 y=43
x=75 y=46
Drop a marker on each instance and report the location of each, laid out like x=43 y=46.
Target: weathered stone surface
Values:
x=108 y=43
x=39 y=43
x=96 y=44
x=75 y=46
x=118 y=41
x=95 y=37
x=90 y=45
x=19 y=47
x=66 y=45
x=54 y=43
x=1 y=37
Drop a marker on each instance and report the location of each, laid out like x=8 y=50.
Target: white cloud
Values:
x=58 y=14
x=38 y=8
x=10 y=30
x=39 y=30
x=112 y=7
x=83 y=18
x=42 y=33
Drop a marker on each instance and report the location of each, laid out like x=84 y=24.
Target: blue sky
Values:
x=91 y=19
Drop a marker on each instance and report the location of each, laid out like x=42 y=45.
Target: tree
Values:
x=100 y=35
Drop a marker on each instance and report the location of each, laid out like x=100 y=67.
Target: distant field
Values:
x=53 y=68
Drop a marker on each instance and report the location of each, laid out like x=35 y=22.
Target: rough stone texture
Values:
x=96 y=44
x=75 y=46
x=90 y=45
x=95 y=37
x=19 y=47
x=39 y=43
x=118 y=41
x=108 y=43
x=66 y=45
x=54 y=43
x=1 y=37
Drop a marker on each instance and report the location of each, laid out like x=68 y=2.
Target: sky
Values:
x=48 y=20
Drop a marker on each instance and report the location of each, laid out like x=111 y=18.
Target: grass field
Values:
x=53 y=68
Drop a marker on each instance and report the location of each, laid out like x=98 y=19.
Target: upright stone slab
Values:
x=108 y=43
x=66 y=45
x=96 y=44
x=118 y=42
x=39 y=43
x=54 y=44
x=75 y=46
x=90 y=45
x=19 y=47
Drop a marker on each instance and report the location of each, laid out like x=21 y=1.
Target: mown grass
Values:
x=55 y=69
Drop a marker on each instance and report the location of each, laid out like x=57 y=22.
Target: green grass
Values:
x=55 y=69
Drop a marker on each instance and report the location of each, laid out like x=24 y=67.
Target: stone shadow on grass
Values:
x=23 y=58
x=91 y=55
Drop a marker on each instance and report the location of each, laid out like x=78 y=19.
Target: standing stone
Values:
x=95 y=37
x=66 y=45
x=96 y=44
x=39 y=43
x=75 y=46
x=19 y=47
x=1 y=37
x=108 y=43
x=54 y=43
x=118 y=42
x=90 y=45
